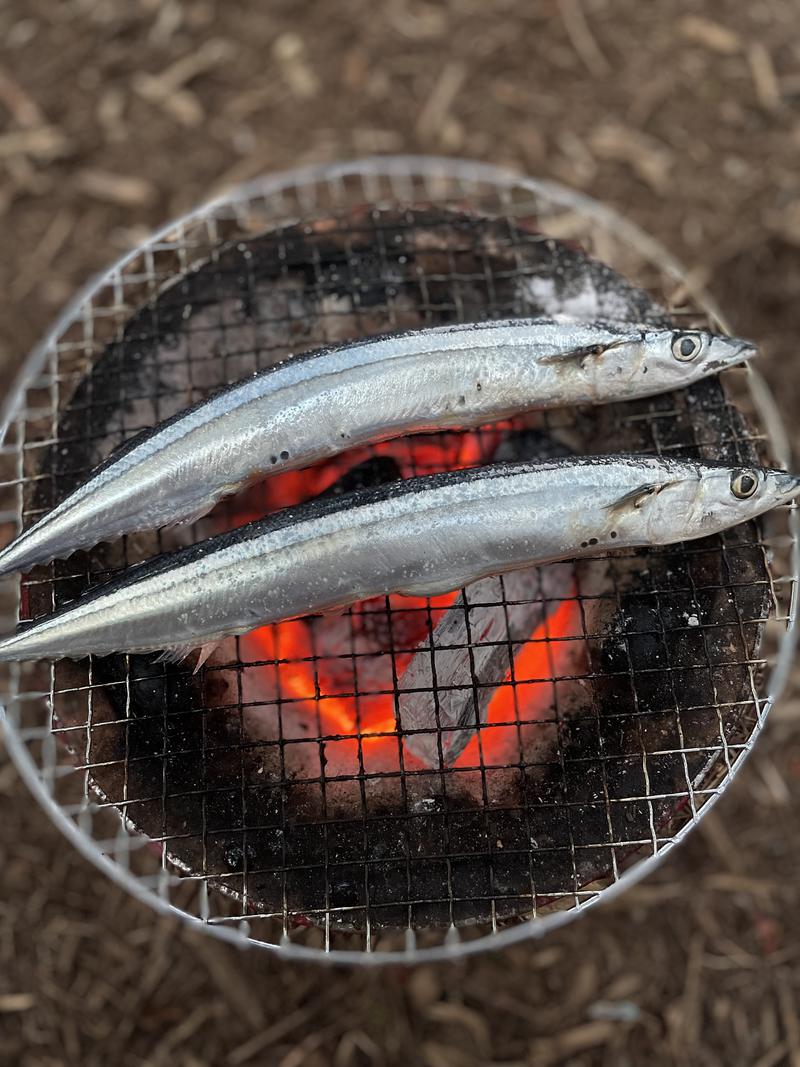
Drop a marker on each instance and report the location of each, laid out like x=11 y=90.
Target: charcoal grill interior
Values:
x=249 y=799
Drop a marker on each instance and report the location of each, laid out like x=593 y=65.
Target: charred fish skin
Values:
x=422 y=537
x=319 y=404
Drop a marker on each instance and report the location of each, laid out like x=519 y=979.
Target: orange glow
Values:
x=306 y=667
x=542 y=658
x=421 y=454
x=370 y=720
x=291 y=642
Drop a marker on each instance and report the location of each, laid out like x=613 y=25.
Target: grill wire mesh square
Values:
x=248 y=799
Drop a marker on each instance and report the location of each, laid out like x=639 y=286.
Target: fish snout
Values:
x=727 y=352
x=743 y=350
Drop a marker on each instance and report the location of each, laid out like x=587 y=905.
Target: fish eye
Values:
x=686 y=346
x=744 y=484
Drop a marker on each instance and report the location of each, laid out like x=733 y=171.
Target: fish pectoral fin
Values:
x=579 y=356
x=637 y=497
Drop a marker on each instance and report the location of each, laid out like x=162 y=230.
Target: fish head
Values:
x=695 y=500
x=648 y=361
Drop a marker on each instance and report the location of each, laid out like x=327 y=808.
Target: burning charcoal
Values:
x=275 y=775
x=378 y=470
x=491 y=615
x=490 y=619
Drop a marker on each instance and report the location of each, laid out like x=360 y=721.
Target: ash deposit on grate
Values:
x=410 y=762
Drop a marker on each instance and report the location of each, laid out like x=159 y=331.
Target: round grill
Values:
x=307 y=789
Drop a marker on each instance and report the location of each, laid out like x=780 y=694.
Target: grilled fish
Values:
x=421 y=537
x=324 y=402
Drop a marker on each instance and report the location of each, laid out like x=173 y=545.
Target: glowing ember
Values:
x=421 y=454
x=326 y=685
x=358 y=732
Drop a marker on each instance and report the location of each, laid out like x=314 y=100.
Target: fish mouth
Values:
x=735 y=352
x=742 y=351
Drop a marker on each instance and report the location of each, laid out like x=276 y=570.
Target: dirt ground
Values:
x=115 y=115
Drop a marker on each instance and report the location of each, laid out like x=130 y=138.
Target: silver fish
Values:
x=324 y=402
x=420 y=537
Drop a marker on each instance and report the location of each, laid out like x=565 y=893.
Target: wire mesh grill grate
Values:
x=271 y=795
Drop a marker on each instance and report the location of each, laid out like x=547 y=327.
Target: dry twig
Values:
x=765 y=80
x=710 y=34
x=582 y=38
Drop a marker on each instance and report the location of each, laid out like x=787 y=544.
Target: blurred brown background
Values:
x=116 y=115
